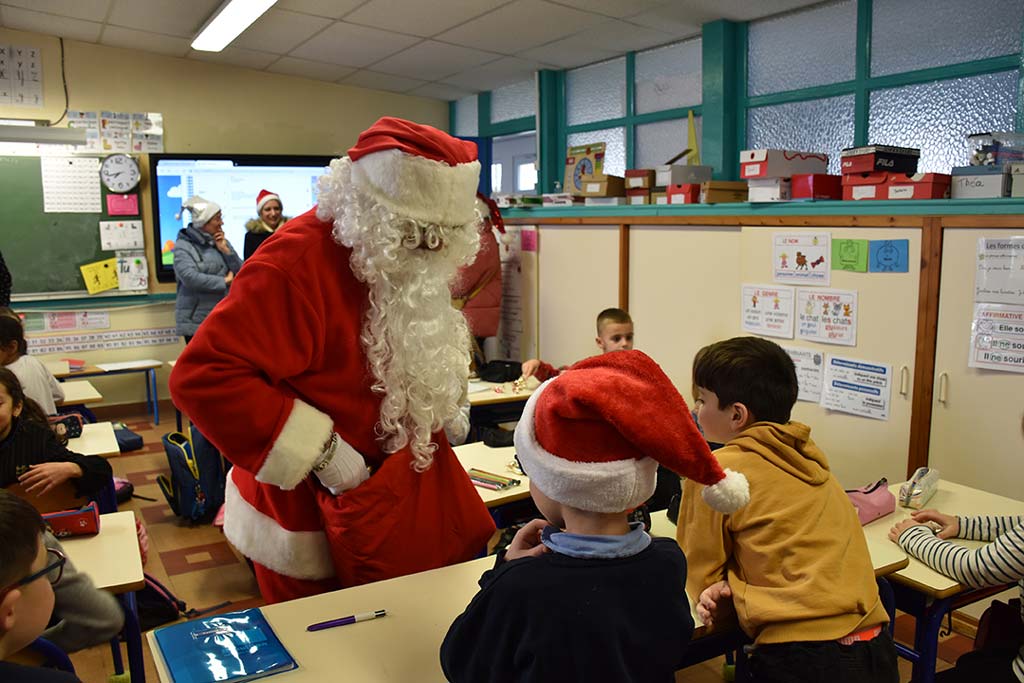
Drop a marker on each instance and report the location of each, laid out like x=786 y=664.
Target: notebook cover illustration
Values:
x=232 y=647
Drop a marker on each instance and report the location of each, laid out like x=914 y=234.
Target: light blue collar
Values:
x=597 y=547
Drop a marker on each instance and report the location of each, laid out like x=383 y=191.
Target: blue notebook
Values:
x=232 y=647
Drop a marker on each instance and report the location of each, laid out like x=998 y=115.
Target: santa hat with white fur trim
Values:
x=265 y=196
x=417 y=171
x=593 y=437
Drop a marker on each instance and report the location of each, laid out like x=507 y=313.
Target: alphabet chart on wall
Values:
x=21 y=75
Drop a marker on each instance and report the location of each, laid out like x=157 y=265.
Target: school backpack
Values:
x=157 y=605
x=195 y=490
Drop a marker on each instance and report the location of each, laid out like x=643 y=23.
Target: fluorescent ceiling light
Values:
x=233 y=17
x=42 y=135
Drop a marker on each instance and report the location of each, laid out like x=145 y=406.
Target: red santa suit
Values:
x=271 y=373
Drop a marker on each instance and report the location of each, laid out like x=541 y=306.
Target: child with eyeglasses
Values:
x=28 y=571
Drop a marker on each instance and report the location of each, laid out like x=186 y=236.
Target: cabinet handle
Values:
x=943 y=387
x=904 y=380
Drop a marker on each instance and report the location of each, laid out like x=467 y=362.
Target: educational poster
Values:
x=21 y=75
x=802 y=258
x=810 y=372
x=70 y=184
x=100 y=276
x=997 y=337
x=132 y=273
x=850 y=255
x=90 y=121
x=828 y=316
x=768 y=310
x=889 y=256
x=103 y=341
x=115 y=132
x=147 y=132
x=121 y=235
x=999 y=278
x=857 y=387
x=61 y=321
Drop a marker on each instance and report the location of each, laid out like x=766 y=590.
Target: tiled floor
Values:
x=203 y=570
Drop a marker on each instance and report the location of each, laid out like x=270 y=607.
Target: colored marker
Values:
x=345 y=621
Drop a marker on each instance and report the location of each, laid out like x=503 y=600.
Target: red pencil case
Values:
x=81 y=522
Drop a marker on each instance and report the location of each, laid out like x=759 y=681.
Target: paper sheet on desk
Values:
x=128 y=364
x=478 y=386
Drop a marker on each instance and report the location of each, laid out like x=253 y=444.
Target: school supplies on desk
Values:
x=232 y=647
x=490 y=480
x=345 y=621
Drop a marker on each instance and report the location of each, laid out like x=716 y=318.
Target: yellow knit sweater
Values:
x=795 y=556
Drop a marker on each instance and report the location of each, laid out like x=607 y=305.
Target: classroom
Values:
x=593 y=122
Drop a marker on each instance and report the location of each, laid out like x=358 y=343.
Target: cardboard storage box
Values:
x=659 y=198
x=637 y=196
x=768 y=190
x=873 y=158
x=816 y=186
x=865 y=185
x=605 y=201
x=1017 y=184
x=637 y=178
x=980 y=182
x=687 y=193
x=918 y=186
x=780 y=163
x=602 y=186
x=671 y=174
x=723 y=191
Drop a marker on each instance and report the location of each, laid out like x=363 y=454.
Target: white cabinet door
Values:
x=976 y=414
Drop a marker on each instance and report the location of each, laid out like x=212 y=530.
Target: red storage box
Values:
x=816 y=186
x=865 y=185
x=638 y=196
x=687 y=193
x=919 y=186
x=74 y=522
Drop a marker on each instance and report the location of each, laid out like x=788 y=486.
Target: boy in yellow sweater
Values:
x=793 y=564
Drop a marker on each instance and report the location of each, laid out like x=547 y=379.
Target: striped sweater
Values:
x=999 y=562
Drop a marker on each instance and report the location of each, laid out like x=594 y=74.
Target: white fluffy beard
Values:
x=416 y=344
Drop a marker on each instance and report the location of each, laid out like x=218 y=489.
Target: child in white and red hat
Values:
x=585 y=594
x=269 y=217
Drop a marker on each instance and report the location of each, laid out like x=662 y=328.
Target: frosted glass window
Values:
x=668 y=77
x=658 y=142
x=614 y=150
x=514 y=101
x=917 y=34
x=802 y=49
x=495 y=178
x=466 y=123
x=938 y=117
x=596 y=92
x=824 y=125
x=526 y=179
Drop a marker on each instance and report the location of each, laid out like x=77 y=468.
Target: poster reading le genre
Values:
x=768 y=310
x=828 y=316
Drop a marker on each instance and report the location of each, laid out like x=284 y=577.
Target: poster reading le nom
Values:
x=802 y=258
x=768 y=310
x=828 y=316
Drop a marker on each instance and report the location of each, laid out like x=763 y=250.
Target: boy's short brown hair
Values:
x=752 y=371
x=614 y=316
x=20 y=527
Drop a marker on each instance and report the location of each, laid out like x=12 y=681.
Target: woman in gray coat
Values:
x=204 y=265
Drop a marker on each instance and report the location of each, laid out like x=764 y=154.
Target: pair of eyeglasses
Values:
x=53 y=570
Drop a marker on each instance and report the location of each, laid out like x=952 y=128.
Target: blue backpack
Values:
x=195 y=490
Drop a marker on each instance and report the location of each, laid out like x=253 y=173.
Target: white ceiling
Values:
x=445 y=49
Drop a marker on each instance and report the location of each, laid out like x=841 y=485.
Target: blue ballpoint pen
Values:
x=344 y=621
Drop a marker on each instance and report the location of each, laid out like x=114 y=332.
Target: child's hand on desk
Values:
x=944 y=526
x=715 y=602
x=41 y=478
x=527 y=541
x=530 y=367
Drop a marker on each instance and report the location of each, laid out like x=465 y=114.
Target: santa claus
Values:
x=331 y=371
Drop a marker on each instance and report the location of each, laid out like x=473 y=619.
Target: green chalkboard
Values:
x=43 y=250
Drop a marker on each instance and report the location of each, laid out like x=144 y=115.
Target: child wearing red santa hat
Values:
x=585 y=594
x=793 y=564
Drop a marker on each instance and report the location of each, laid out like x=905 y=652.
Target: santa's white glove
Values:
x=341 y=467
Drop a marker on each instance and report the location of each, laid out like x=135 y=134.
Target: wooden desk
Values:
x=495 y=460
x=483 y=394
x=61 y=370
x=403 y=646
x=80 y=392
x=146 y=366
x=111 y=558
x=925 y=593
x=96 y=439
